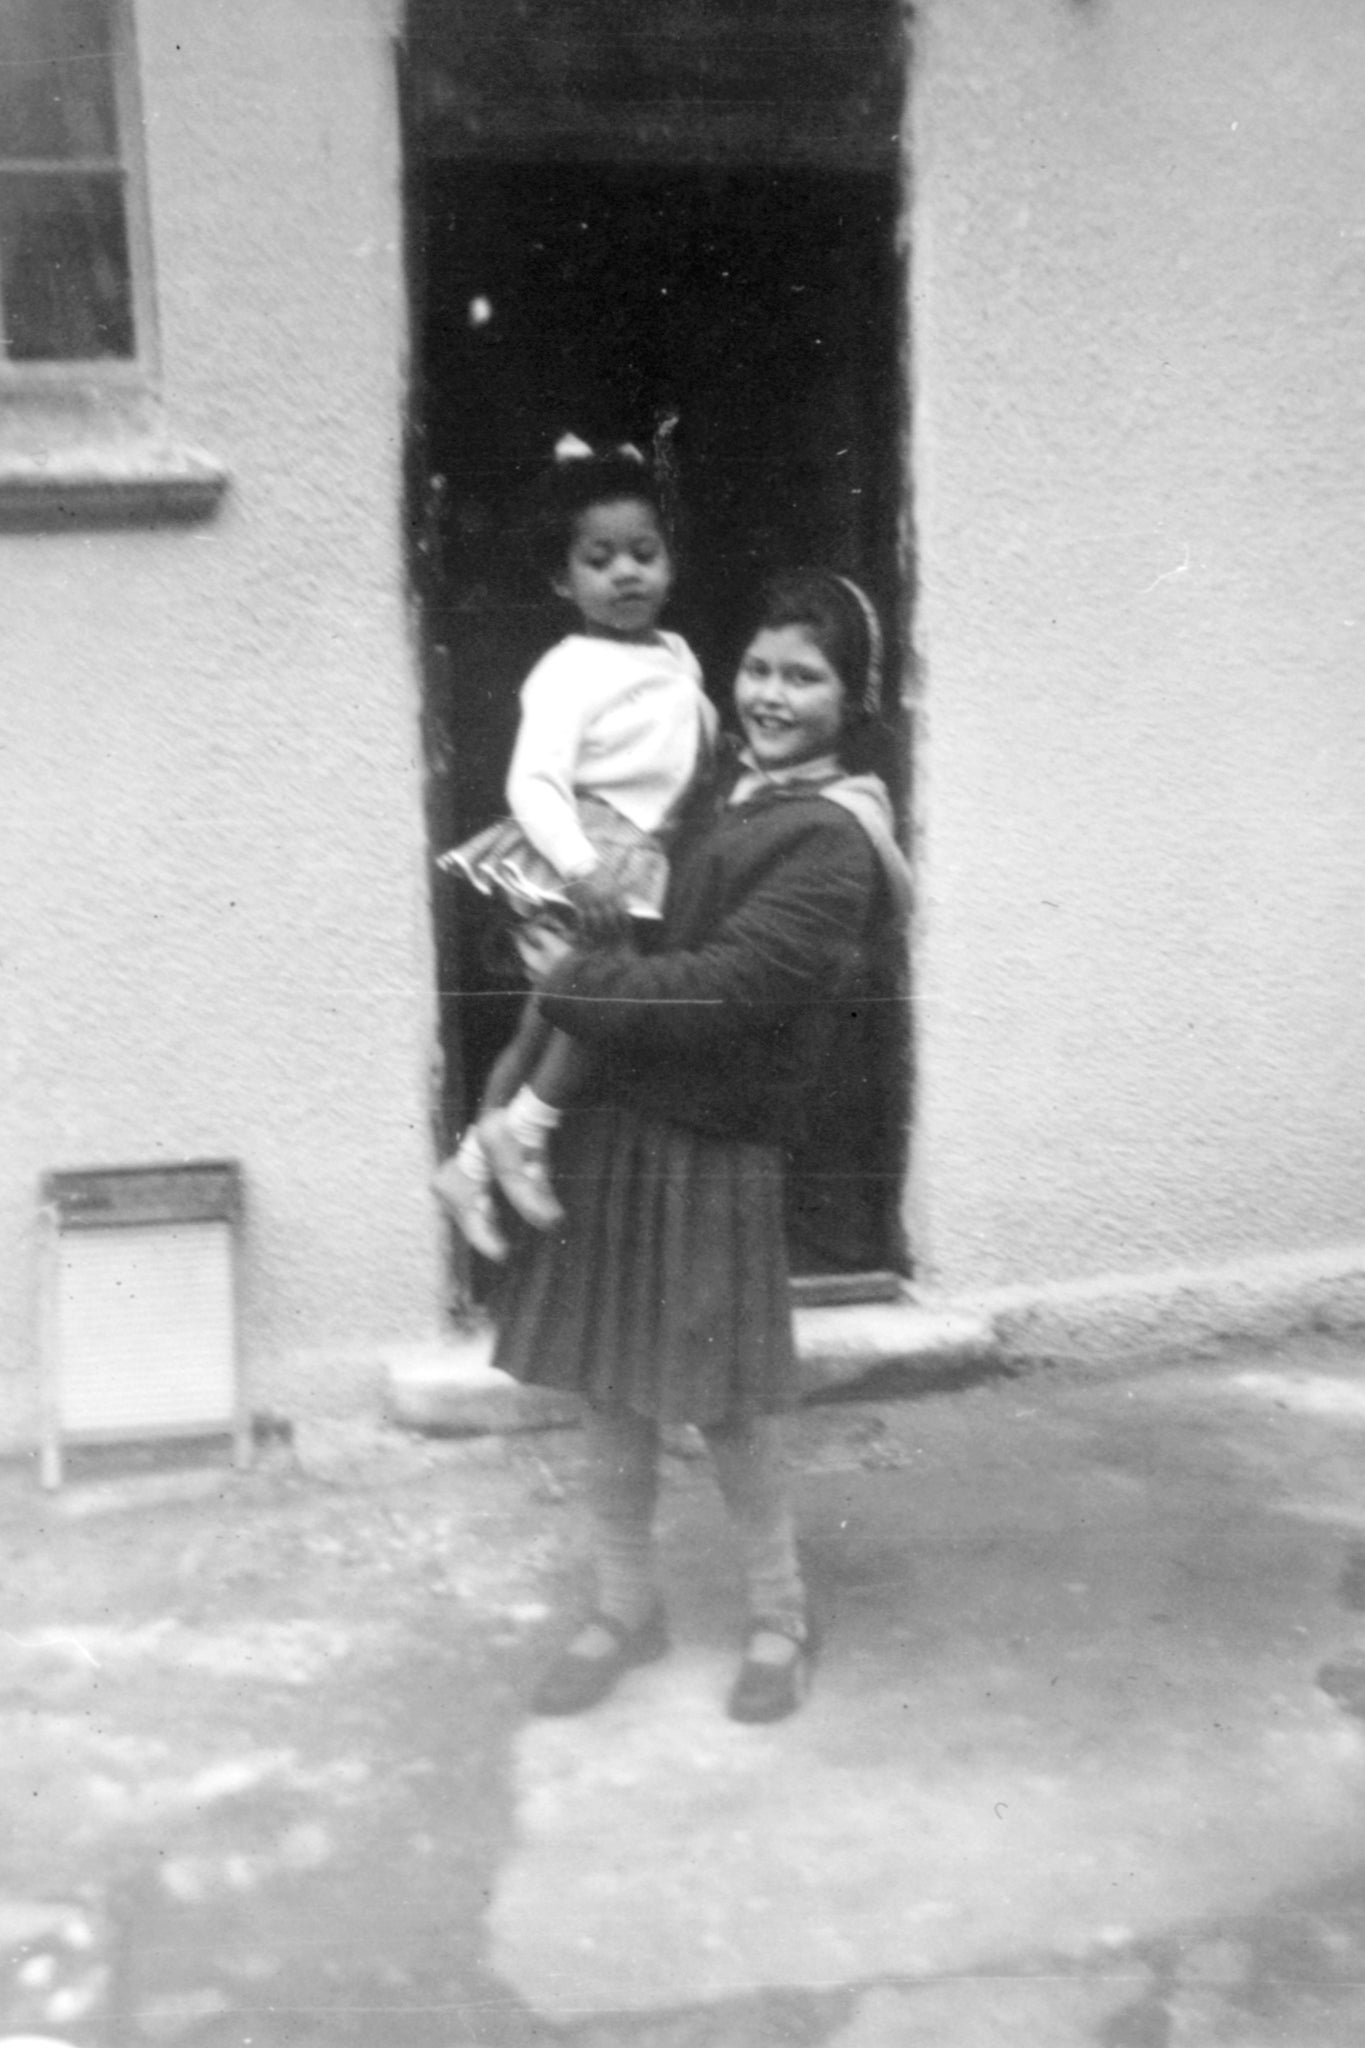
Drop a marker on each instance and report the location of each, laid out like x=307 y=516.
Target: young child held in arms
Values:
x=613 y=728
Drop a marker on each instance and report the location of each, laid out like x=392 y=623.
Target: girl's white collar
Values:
x=824 y=769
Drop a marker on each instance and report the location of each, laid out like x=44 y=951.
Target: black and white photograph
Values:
x=682 y=1024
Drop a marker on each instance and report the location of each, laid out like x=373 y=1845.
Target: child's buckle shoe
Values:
x=769 y=1688
x=579 y=1679
x=470 y=1203
x=520 y=1172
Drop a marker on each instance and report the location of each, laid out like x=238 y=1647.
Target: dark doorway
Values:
x=755 y=307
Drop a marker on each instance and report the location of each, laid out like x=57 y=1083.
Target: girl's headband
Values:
x=872 y=682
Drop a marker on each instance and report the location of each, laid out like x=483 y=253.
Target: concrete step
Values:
x=886 y=1350
x=874 y=1350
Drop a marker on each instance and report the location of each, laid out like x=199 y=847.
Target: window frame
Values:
x=113 y=373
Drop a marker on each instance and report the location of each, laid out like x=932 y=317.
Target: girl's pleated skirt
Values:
x=666 y=1289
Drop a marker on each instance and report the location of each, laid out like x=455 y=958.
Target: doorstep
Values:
x=882 y=1350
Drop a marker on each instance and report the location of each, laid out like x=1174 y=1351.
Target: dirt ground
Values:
x=255 y=1735
x=225 y=1820
x=260 y=1733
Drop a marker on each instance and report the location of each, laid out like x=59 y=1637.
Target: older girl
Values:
x=663 y=1297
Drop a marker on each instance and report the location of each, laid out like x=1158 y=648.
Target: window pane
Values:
x=64 y=266
x=56 y=80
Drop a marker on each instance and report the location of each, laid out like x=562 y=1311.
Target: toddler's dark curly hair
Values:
x=575 y=483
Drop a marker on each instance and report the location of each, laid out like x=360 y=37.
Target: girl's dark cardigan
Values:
x=727 y=1025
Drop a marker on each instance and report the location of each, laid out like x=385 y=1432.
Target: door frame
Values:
x=424 y=493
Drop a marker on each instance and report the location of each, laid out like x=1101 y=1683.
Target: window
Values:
x=83 y=436
x=72 y=270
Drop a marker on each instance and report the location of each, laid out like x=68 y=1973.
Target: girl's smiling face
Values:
x=618 y=571
x=789 y=698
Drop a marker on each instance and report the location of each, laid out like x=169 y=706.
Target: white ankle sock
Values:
x=472 y=1159
x=530 y=1120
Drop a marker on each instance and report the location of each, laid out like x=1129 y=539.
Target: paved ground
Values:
x=1075 y=1772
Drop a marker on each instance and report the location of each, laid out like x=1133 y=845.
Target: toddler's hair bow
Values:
x=569 y=448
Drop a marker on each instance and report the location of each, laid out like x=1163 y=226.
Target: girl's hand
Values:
x=599 y=907
x=542 y=948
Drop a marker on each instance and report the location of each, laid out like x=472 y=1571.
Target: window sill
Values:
x=134 y=484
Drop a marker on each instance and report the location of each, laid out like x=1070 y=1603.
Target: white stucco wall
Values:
x=1138 y=313
x=213 y=934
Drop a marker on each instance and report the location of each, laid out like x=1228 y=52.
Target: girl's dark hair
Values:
x=574 y=483
x=838 y=621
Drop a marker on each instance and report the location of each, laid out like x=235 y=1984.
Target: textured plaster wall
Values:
x=213 y=931
x=1138 y=315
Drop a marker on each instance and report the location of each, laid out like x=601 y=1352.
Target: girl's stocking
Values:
x=753 y=1483
x=623 y=1486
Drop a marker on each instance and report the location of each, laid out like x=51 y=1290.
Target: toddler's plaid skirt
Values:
x=501 y=861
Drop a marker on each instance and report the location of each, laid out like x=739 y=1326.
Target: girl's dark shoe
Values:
x=769 y=1688
x=579 y=1678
